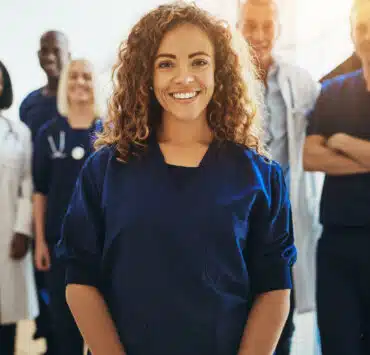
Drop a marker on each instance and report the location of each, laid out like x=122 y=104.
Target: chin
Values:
x=188 y=116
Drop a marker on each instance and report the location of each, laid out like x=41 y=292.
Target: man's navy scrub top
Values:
x=176 y=264
x=59 y=154
x=344 y=106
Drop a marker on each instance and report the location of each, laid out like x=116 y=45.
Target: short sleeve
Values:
x=23 y=111
x=41 y=163
x=319 y=116
x=80 y=246
x=270 y=251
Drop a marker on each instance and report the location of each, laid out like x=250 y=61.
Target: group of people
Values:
x=224 y=192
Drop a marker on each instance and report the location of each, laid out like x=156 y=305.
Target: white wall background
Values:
x=315 y=33
x=95 y=29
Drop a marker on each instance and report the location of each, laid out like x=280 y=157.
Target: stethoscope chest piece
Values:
x=78 y=153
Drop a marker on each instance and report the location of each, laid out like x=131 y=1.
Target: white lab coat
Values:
x=18 y=298
x=300 y=92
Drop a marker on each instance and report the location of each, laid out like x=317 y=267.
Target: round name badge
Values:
x=78 y=153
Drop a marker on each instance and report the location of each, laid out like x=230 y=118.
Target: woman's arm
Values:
x=270 y=255
x=93 y=319
x=265 y=323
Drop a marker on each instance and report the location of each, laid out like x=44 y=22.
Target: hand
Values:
x=42 y=256
x=19 y=246
x=337 y=141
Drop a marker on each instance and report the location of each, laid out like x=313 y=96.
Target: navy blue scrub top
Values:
x=177 y=264
x=37 y=109
x=344 y=106
x=59 y=154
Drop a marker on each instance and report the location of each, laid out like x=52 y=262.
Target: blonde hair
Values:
x=62 y=96
x=356 y=5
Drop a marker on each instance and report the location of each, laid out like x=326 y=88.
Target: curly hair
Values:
x=134 y=112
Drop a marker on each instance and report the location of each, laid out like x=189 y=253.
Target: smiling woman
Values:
x=61 y=147
x=179 y=215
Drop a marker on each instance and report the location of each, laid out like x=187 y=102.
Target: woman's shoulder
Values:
x=249 y=158
x=101 y=158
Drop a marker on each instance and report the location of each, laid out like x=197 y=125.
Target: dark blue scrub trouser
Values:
x=68 y=339
x=343 y=291
x=7 y=339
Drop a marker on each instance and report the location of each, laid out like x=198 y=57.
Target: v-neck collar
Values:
x=160 y=164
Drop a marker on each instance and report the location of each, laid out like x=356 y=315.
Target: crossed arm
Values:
x=341 y=154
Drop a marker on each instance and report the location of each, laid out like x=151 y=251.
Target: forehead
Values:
x=186 y=39
x=80 y=66
x=54 y=40
x=264 y=12
x=361 y=14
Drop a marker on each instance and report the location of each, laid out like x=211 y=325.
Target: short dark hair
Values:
x=6 y=98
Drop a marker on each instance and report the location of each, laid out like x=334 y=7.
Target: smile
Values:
x=185 y=95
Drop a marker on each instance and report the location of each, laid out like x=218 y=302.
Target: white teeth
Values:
x=184 y=95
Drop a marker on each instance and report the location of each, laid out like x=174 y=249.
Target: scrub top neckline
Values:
x=199 y=172
x=93 y=123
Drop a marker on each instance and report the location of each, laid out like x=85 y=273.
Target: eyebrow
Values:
x=172 y=56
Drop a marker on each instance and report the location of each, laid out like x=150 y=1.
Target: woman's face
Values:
x=184 y=67
x=1 y=82
x=80 y=89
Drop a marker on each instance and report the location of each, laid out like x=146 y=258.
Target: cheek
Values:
x=207 y=82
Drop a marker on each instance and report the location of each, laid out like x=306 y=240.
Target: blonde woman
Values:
x=61 y=148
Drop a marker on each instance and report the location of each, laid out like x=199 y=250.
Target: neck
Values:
x=51 y=87
x=264 y=66
x=81 y=116
x=183 y=132
x=366 y=73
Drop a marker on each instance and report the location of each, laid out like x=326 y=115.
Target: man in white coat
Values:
x=289 y=94
x=18 y=299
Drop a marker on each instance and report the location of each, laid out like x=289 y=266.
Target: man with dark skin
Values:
x=40 y=105
x=36 y=109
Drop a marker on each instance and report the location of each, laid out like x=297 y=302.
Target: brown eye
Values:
x=200 y=62
x=165 y=65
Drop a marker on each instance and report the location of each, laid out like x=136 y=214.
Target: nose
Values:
x=50 y=56
x=258 y=35
x=80 y=80
x=184 y=76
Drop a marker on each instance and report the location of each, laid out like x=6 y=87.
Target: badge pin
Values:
x=78 y=153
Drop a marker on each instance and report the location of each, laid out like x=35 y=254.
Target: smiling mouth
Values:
x=185 y=95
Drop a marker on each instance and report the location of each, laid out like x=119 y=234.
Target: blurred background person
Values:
x=18 y=299
x=40 y=105
x=36 y=109
x=61 y=147
x=339 y=145
x=289 y=94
